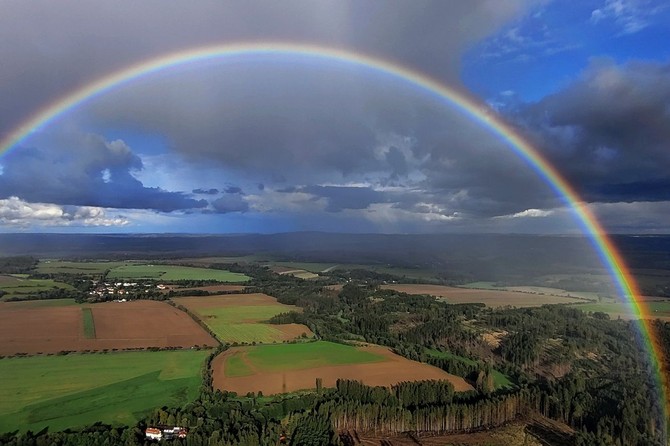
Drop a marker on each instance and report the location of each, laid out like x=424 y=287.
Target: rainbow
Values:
x=479 y=113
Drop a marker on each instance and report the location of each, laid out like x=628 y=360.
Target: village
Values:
x=122 y=290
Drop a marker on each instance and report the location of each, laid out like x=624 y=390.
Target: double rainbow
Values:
x=608 y=253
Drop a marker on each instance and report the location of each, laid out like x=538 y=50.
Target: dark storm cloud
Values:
x=84 y=170
x=233 y=190
x=608 y=132
x=342 y=197
x=230 y=203
x=49 y=48
x=205 y=191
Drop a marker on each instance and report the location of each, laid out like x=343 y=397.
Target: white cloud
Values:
x=529 y=213
x=630 y=15
x=17 y=212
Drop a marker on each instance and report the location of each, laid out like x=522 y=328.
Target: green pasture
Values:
x=75 y=390
x=235 y=366
x=89 y=323
x=85 y=268
x=242 y=323
x=500 y=380
x=170 y=273
x=280 y=357
x=660 y=309
x=17 y=286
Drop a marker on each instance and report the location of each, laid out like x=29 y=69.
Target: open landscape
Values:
x=61 y=325
x=274 y=369
x=76 y=390
x=489 y=297
x=242 y=318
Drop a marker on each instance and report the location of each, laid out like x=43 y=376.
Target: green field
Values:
x=15 y=286
x=170 y=273
x=86 y=268
x=240 y=323
x=235 y=366
x=280 y=357
x=660 y=309
x=89 y=323
x=76 y=390
x=500 y=380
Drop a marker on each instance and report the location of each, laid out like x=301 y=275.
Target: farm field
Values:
x=173 y=272
x=282 y=368
x=491 y=298
x=15 y=286
x=299 y=273
x=239 y=317
x=657 y=309
x=68 y=267
x=78 y=389
x=211 y=288
x=50 y=327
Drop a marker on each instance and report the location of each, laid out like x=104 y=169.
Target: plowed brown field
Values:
x=491 y=298
x=120 y=325
x=393 y=370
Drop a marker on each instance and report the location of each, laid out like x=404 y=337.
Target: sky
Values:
x=275 y=143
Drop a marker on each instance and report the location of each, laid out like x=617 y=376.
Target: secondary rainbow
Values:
x=608 y=253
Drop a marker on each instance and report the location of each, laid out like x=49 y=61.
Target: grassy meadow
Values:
x=280 y=357
x=17 y=286
x=243 y=322
x=170 y=273
x=75 y=390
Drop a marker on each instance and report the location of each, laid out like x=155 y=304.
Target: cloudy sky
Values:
x=256 y=143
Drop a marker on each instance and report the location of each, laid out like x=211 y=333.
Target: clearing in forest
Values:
x=491 y=298
x=35 y=327
x=80 y=389
x=281 y=368
x=241 y=317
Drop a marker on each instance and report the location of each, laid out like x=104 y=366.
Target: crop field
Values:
x=211 y=288
x=239 y=317
x=34 y=327
x=75 y=390
x=281 y=368
x=655 y=309
x=299 y=273
x=173 y=272
x=491 y=298
x=21 y=286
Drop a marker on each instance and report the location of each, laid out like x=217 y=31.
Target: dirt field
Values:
x=491 y=298
x=228 y=300
x=394 y=370
x=211 y=288
x=136 y=324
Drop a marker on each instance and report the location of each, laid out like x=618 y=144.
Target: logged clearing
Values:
x=34 y=328
x=491 y=298
x=281 y=368
x=241 y=317
x=515 y=434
